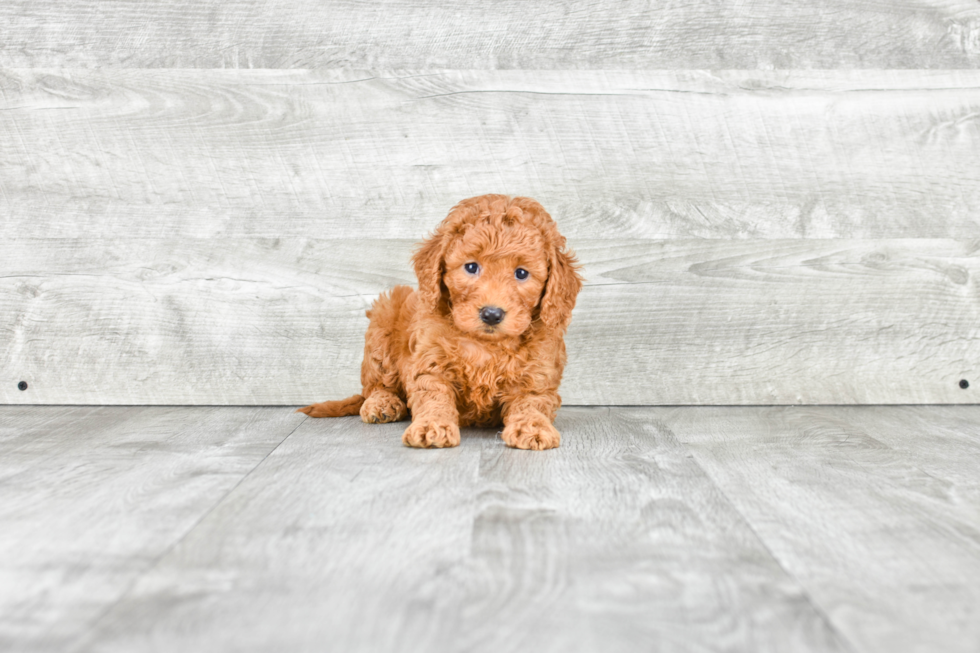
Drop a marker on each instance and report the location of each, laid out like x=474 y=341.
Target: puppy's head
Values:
x=495 y=265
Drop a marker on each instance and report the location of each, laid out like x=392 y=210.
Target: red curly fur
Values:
x=428 y=351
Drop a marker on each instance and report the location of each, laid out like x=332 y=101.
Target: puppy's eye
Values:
x=472 y=268
x=521 y=274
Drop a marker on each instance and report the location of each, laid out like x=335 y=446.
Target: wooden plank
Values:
x=620 y=542
x=615 y=541
x=345 y=154
x=779 y=322
x=943 y=441
x=339 y=538
x=253 y=321
x=888 y=551
x=755 y=34
x=90 y=498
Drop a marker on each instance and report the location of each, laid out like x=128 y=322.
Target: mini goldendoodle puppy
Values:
x=481 y=342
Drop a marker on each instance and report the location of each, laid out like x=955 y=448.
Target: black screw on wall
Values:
x=964 y=384
x=22 y=385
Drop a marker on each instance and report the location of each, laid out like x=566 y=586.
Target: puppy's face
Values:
x=494 y=265
x=495 y=277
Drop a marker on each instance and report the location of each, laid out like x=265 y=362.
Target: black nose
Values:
x=491 y=315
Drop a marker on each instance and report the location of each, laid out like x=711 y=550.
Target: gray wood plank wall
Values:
x=775 y=202
x=469 y=34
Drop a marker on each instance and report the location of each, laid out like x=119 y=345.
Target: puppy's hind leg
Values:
x=385 y=344
x=383 y=406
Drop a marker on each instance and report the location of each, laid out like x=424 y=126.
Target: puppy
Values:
x=481 y=342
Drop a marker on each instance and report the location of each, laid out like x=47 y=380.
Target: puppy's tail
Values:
x=339 y=408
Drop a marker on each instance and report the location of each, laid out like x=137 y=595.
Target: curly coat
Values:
x=436 y=351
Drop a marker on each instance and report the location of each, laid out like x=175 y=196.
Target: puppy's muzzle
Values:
x=491 y=315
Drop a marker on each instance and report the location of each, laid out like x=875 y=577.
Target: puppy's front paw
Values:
x=431 y=433
x=531 y=433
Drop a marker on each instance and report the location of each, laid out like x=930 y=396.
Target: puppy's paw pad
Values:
x=428 y=434
x=381 y=408
x=534 y=435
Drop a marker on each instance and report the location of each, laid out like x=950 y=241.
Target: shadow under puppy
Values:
x=481 y=342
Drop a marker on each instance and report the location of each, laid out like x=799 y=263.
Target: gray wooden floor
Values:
x=654 y=529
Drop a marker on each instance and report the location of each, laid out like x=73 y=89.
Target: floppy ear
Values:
x=428 y=258
x=562 y=287
x=428 y=268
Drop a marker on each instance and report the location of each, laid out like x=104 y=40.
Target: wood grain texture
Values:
x=676 y=529
x=943 y=442
x=345 y=154
x=339 y=540
x=619 y=542
x=252 y=321
x=512 y=34
x=616 y=541
x=885 y=541
x=90 y=498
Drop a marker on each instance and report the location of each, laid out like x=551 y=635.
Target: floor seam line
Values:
x=129 y=587
x=811 y=601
